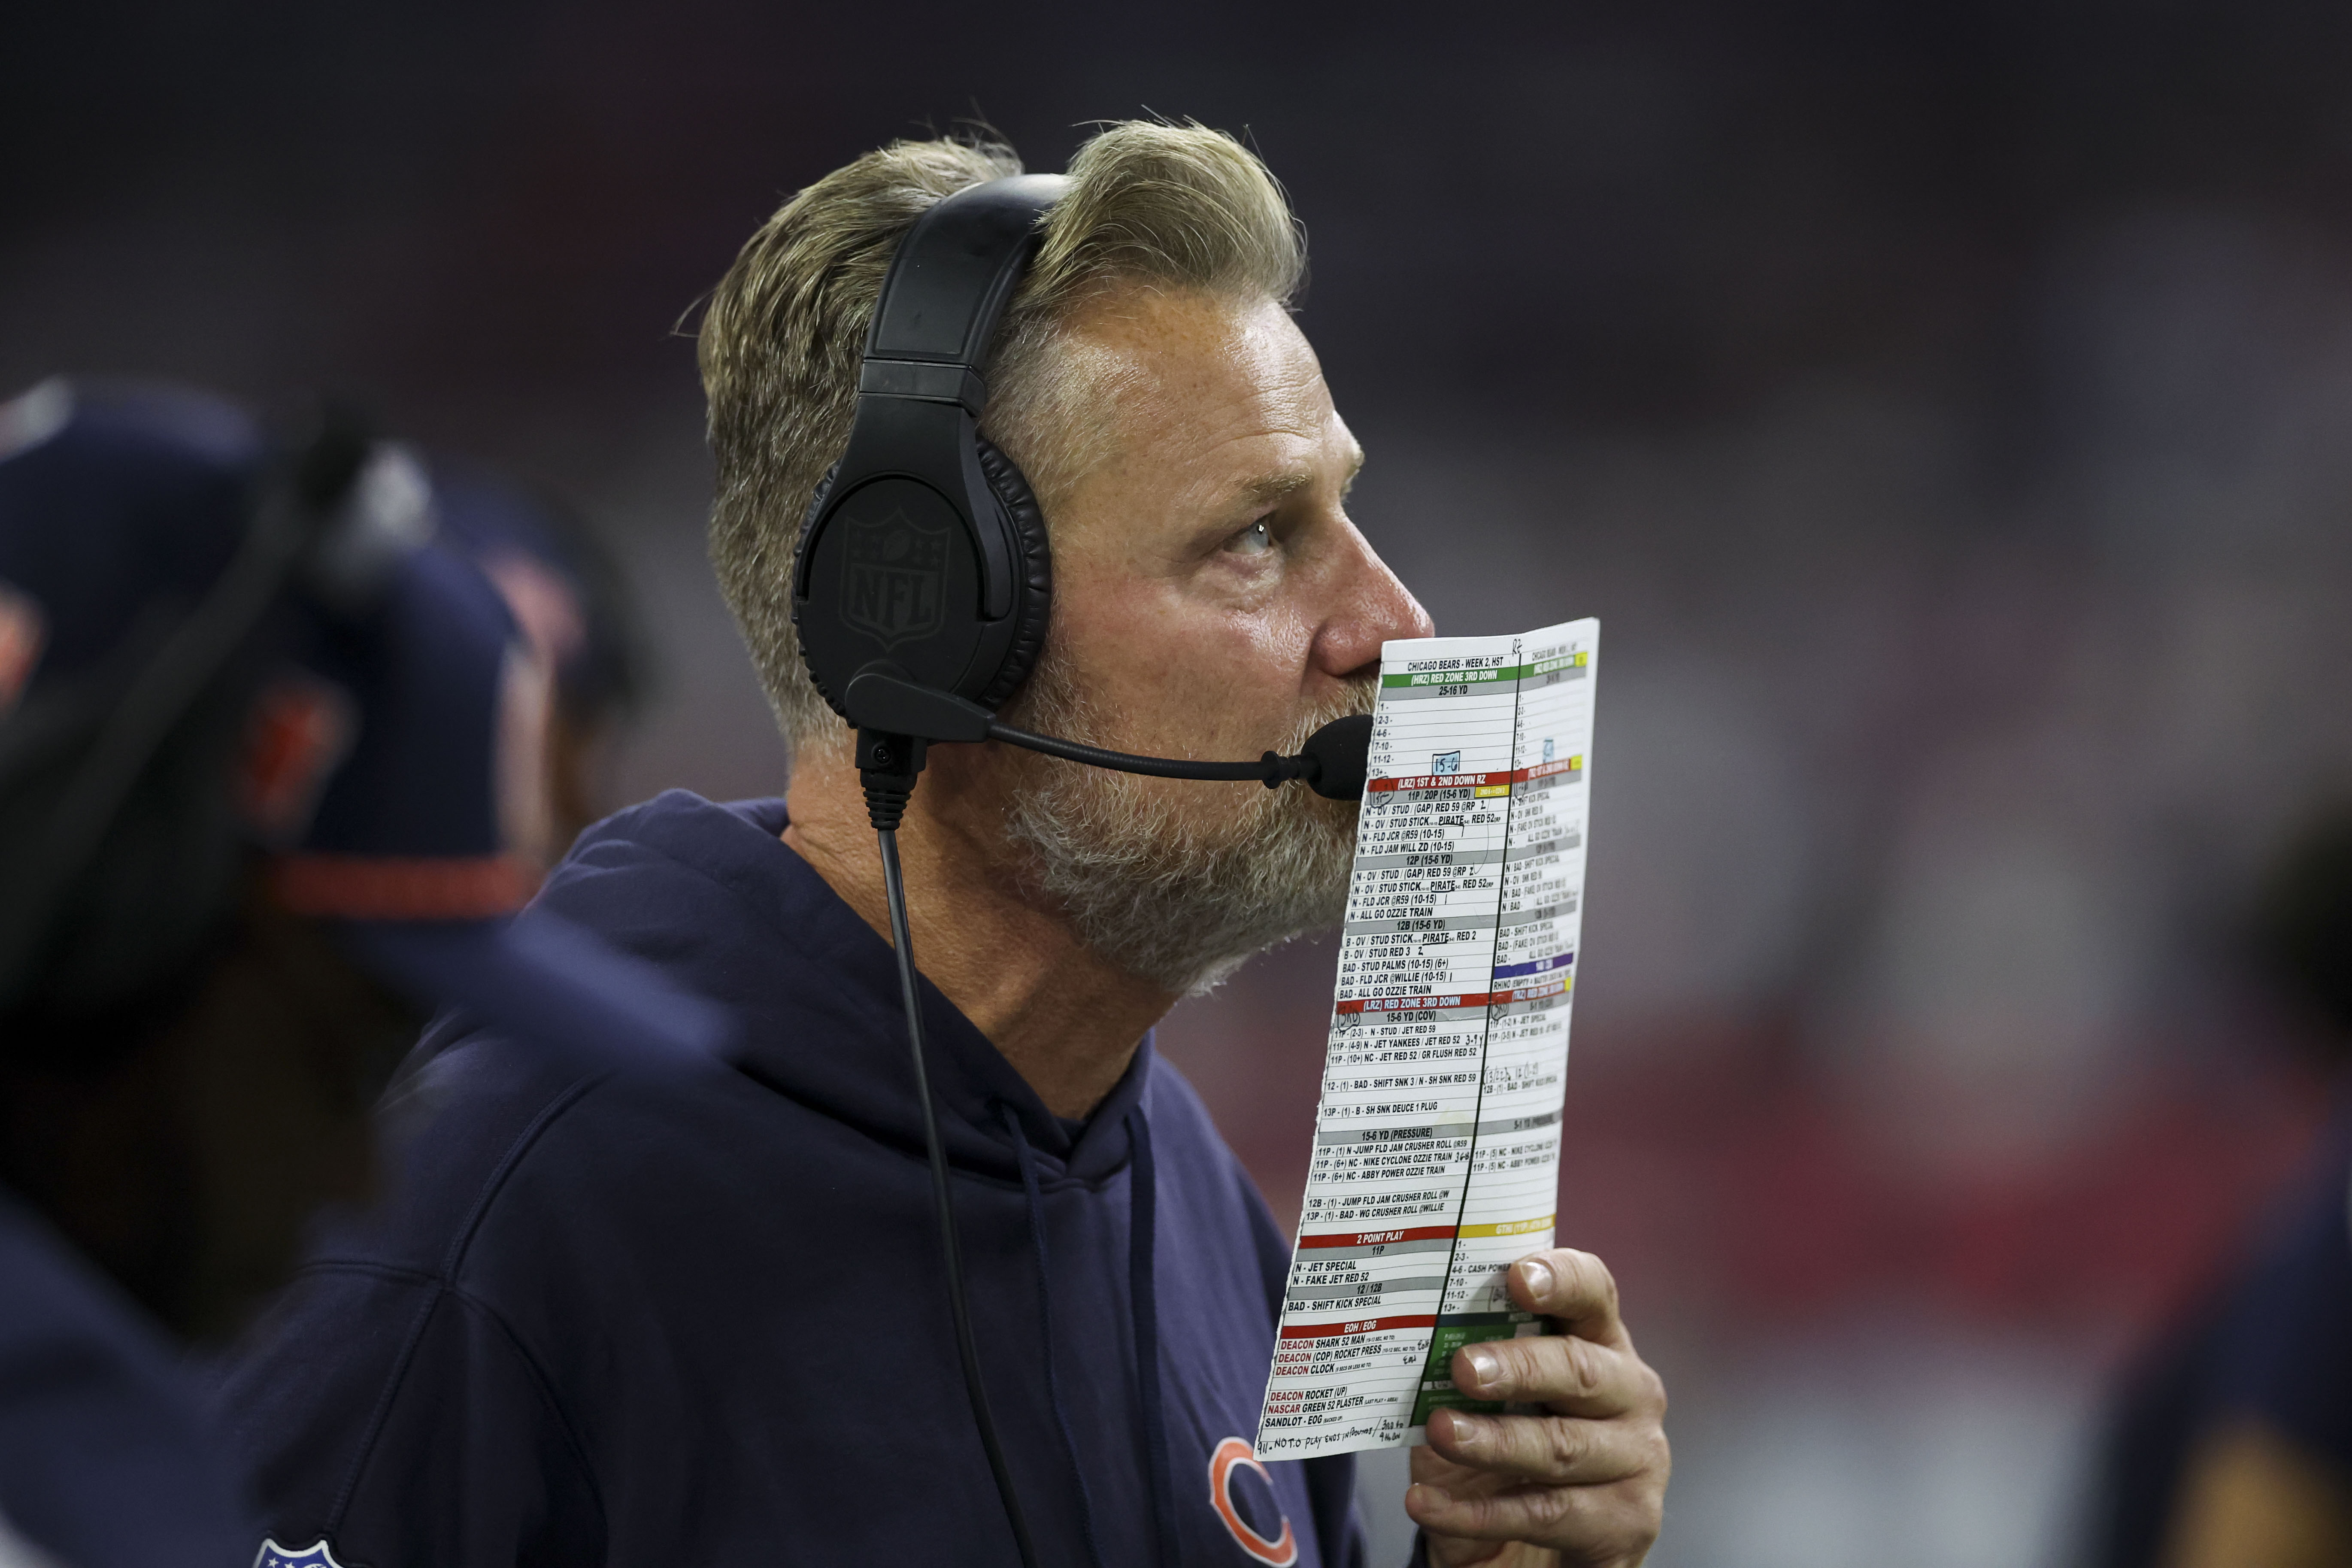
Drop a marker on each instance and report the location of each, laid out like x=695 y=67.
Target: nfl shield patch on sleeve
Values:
x=318 y=1555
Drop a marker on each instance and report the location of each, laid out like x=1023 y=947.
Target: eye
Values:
x=1255 y=540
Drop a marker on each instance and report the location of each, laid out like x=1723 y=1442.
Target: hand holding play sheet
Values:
x=1585 y=1482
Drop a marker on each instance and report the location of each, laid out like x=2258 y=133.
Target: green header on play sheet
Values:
x=1456 y=677
x=1490 y=674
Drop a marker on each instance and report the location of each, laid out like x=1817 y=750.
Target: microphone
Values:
x=880 y=698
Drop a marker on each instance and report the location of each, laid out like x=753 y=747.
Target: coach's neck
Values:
x=1068 y=1022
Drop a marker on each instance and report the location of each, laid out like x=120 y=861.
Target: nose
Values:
x=1369 y=606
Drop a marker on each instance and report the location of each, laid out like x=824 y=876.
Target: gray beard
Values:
x=1178 y=897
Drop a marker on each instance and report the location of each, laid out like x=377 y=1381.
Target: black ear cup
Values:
x=1033 y=570
x=802 y=560
x=923 y=556
x=815 y=508
x=893 y=573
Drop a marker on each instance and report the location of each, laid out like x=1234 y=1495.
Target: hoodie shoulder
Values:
x=664 y=877
x=1175 y=1108
x=104 y=1450
x=1182 y=1127
x=456 y=1133
x=677 y=828
x=682 y=810
x=1190 y=1143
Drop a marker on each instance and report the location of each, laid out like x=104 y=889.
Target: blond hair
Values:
x=1178 y=206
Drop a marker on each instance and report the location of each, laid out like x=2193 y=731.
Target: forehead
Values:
x=1187 y=377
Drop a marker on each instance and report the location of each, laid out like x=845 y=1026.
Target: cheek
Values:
x=1142 y=642
x=1247 y=668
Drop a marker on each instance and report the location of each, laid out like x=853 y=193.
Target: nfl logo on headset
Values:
x=893 y=577
x=316 y=1555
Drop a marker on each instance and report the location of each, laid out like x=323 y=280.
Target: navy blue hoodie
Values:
x=629 y=1320
x=106 y=1457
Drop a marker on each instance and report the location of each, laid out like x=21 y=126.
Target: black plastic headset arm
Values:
x=887 y=708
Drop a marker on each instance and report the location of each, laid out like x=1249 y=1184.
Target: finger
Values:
x=1556 y=1451
x=1615 y=1523
x=1461 y=1481
x=1570 y=1374
x=1574 y=1287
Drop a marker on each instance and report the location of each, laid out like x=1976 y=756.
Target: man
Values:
x=569 y=600
x=2231 y=1442
x=252 y=733
x=704 y=1326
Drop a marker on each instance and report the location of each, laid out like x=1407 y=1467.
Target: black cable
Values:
x=889 y=760
x=1269 y=770
x=942 y=1199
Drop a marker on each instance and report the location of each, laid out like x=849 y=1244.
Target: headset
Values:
x=922 y=588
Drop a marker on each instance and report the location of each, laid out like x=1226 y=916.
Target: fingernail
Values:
x=1484 y=1364
x=1468 y=1431
x=1421 y=1494
x=1540 y=1280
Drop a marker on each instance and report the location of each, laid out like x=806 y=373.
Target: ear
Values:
x=299 y=730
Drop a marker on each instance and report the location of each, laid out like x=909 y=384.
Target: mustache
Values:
x=1055 y=701
x=1360 y=694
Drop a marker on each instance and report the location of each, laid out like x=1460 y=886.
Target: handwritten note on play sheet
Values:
x=1437 y=1138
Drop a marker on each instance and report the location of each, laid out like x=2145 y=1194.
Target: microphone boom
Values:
x=880 y=698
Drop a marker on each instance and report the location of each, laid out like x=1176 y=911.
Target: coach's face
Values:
x=1210 y=592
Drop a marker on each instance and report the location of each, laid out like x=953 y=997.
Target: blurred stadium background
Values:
x=1947 y=408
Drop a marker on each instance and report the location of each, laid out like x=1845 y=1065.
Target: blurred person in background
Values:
x=263 y=747
x=2232 y=1444
x=707 y=1325
x=568 y=596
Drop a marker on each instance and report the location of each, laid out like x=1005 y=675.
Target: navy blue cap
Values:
x=562 y=586
x=122 y=510
x=142 y=493
x=385 y=750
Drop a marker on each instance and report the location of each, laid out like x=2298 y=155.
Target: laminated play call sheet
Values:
x=1437 y=1140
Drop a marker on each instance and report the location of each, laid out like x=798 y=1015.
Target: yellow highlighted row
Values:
x=1515 y=1227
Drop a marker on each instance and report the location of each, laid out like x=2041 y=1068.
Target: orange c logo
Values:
x=1232 y=1453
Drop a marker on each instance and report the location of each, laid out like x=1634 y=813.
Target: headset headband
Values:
x=924 y=547
x=946 y=288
